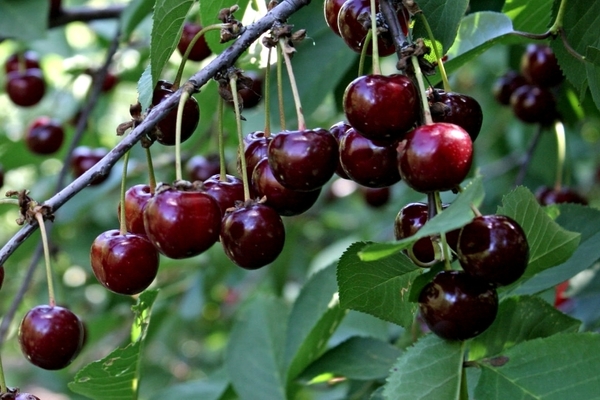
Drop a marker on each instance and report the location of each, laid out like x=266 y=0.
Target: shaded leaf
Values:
x=592 y=68
x=379 y=288
x=431 y=369
x=531 y=16
x=520 y=319
x=24 y=19
x=554 y=368
x=361 y=358
x=443 y=17
x=133 y=14
x=211 y=388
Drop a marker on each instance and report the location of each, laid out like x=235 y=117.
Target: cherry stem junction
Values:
x=238 y=122
x=40 y=219
x=182 y=100
x=374 y=41
x=422 y=92
x=268 y=95
x=221 y=140
x=151 y=176
x=280 y=88
x=294 y=86
x=122 y=213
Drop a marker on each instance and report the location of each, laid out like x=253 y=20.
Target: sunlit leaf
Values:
x=531 y=16
x=133 y=14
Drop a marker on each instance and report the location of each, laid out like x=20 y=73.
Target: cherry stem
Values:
x=438 y=57
x=445 y=247
x=9 y=201
x=123 y=223
x=238 y=122
x=222 y=165
x=267 y=94
x=528 y=156
x=561 y=150
x=558 y=22
x=422 y=92
x=363 y=53
x=40 y=219
x=151 y=176
x=374 y=41
x=294 y=86
x=464 y=388
x=189 y=49
x=280 y=89
x=182 y=100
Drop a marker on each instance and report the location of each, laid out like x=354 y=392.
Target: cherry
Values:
x=436 y=157
x=533 y=104
x=124 y=263
x=494 y=249
x=50 y=336
x=458 y=109
x=376 y=197
x=548 y=195
x=252 y=235
x=25 y=88
x=226 y=192
x=381 y=107
x=506 y=85
x=251 y=94
x=285 y=201
x=200 y=51
x=182 y=221
x=303 y=160
x=540 y=66
x=110 y=81
x=331 y=10
x=200 y=168
x=457 y=306
x=84 y=158
x=166 y=134
x=44 y=136
x=338 y=130
x=256 y=148
x=368 y=163
x=22 y=61
x=136 y=198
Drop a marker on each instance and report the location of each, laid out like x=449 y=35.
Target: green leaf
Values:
x=549 y=243
x=211 y=388
x=443 y=17
x=315 y=316
x=254 y=355
x=116 y=376
x=379 y=288
x=431 y=369
x=592 y=68
x=520 y=319
x=531 y=16
x=24 y=19
x=360 y=358
x=554 y=368
x=455 y=216
x=576 y=218
x=133 y=14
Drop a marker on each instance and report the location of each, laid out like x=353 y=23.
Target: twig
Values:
x=85 y=14
x=391 y=19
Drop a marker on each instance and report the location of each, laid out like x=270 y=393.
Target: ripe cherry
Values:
x=506 y=85
x=44 y=136
x=303 y=160
x=534 y=104
x=200 y=168
x=252 y=235
x=331 y=9
x=136 y=198
x=110 y=81
x=376 y=197
x=494 y=249
x=458 y=109
x=226 y=192
x=51 y=336
x=166 y=133
x=546 y=195
x=124 y=263
x=249 y=95
x=540 y=66
x=256 y=146
x=381 y=107
x=200 y=51
x=457 y=306
x=182 y=221
x=338 y=130
x=368 y=163
x=25 y=88
x=84 y=158
x=436 y=157
x=22 y=61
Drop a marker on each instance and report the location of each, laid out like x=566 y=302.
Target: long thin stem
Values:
x=363 y=53
x=178 y=168
x=51 y=298
x=561 y=150
x=280 y=88
x=221 y=139
x=422 y=94
x=151 y=176
x=122 y=213
x=560 y=15
x=374 y=41
x=295 y=94
x=268 y=94
x=438 y=57
x=445 y=247
x=238 y=121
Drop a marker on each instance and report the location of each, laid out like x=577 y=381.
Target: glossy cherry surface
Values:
x=408 y=221
x=25 y=88
x=182 y=223
x=493 y=248
x=51 y=336
x=331 y=10
x=253 y=235
x=381 y=107
x=83 y=158
x=252 y=94
x=136 y=198
x=200 y=51
x=166 y=134
x=338 y=130
x=303 y=160
x=534 y=104
x=376 y=197
x=44 y=136
x=124 y=263
x=256 y=148
x=546 y=195
x=200 y=167
x=457 y=306
x=458 y=109
x=505 y=86
x=436 y=157
x=226 y=191
x=540 y=66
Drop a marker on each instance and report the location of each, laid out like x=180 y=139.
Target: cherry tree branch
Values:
x=250 y=34
x=84 y=14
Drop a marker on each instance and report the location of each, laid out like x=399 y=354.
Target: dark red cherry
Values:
x=338 y=130
x=494 y=249
x=250 y=95
x=110 y=81
x=256 y=148
x=124 y=263
x=331 y=9
x=381 y=107
x=458 y=109
x=540 y=66
x=252 y=235
x=182 y=222
x=368 y=163
x=44 y=136
x=534 y=104
x=25 y=88
x=457 y=306
x=166 y=133
x=285 y=201
x=136 y=198
x=436 y=157
x=376 y=197
x=226 y=192
x=506 y=85
x=200 y=168
x=546 y=195
x=22 y=61
x=84 y=158
x=303 y=160
x=50 y=336
x=200 y=51
x=408 y=221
